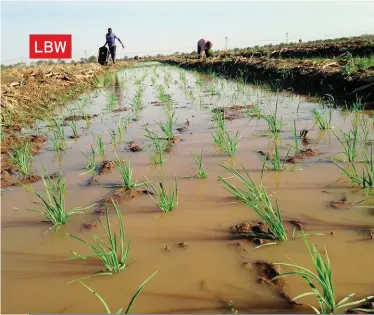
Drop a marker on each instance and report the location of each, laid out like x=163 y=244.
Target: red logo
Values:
x=50 y=46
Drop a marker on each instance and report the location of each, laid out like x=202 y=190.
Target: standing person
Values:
x=111 y=41
x=203 y=46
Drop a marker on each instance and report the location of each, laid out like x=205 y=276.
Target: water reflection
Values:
x=118 y=91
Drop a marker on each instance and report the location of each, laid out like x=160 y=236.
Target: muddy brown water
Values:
x=205 y=276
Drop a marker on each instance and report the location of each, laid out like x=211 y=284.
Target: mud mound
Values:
x=120 y=195
x=267 y=271
x=258 y=232
x=232 y=112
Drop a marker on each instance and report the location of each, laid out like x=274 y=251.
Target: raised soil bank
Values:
x=300 y=76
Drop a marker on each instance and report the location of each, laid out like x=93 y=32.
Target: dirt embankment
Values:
x=362 y=46
x=32 y=93
x=302 y=76
x=27 y=91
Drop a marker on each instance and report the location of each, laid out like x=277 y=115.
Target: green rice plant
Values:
x=165 y=200
x=88 y=122
x=364 y=179
x=157 y=158
x=125 y=170
x=109 y=80
x=114 y=254
x=219 y=121
x=136 y=102
x=256 y=197
x=100 y=145
x=58 y=127
x=58 y=142
x=322 y=120
x=132 y=301
x=112 y=100
x=201 y=172
x=348 y=140
x=74 y=127
x=164 y=97
x=122 y=125
x=275 y=125
x=54 y=200
x=320 y=282
x=276 y=161
x=295 y=138
x=112 y=136
x=22 y=157
x=159 y=143
x=365 y=129
x=167 y=127
x=91 y=161
x=225 y=142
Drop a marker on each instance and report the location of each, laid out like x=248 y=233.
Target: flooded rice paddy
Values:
x=201 y=268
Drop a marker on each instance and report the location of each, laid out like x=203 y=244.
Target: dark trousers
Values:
x=112 y=51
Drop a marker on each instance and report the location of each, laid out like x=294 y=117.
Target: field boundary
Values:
x=303 y=77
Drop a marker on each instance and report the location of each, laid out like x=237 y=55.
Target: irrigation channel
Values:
x=201 y=267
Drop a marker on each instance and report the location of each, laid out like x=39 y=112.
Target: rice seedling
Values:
x=112 y=136
x=295 y=138
x=219 y=122
x=132 y=301
x=54 y=200
x=320 y=282
x=125 y=170
x=322 y=120
x=157 y=158
x=100 y=145
x=112 y=100
x=163 y=96
x=114 y=254
x=201 y=172
x=255 y=111
x=167 y=127
x=276 y=161
x=365 y=179
x=256 y=197
x=122 y=125
x=225 y=142
x=22 y=157
x=348 y=140
x=91 y=161
x=159 y=143
x=166 y=200
x=275 y=125
x=365 y=131
x=58 y=142
x=136 y=102
x=74 y=128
